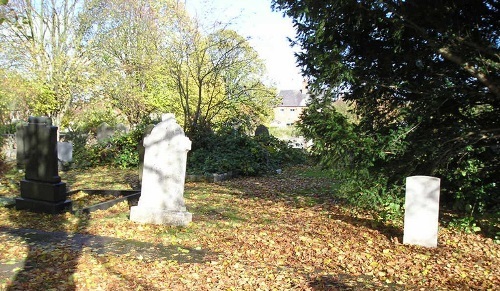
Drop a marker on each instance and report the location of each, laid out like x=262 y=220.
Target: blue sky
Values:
x=268 y=32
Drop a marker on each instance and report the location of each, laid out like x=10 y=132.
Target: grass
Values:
x=283 y=232
x=284 y=132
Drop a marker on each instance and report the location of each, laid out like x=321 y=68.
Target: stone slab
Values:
x=160 y=216
x=43 y=191
x=131 y=196
x=39 y=206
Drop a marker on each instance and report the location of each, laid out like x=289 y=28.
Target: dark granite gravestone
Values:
x=42 y=189
x=20 y=157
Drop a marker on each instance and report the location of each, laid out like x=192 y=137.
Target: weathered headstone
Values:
x=421 y=211
x=121 y=128
x=104 y=132
x=8 y=147
x=42 y=189
x=64 y=154
x=162 y=191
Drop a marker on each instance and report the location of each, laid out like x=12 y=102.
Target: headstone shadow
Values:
x=104 y=245
x=391 y=232
x=351 y=282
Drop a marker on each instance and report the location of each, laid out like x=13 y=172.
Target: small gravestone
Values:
x=421 y=211
x=261 y=130
x=104 y=132
x=20 y=156
x=121 y=128
x=164 y=173
x=42 y=189
x=64 y=154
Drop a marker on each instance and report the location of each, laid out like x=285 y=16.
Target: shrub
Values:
x=120 y=151
x=227 y=150
x=231 y=150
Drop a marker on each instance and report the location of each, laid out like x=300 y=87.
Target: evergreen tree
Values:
x=424 y=78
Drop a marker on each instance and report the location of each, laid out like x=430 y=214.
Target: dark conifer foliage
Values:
x=420 y=72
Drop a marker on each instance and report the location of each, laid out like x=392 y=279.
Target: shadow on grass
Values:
x=307 y=192
x=53 y=254
x=389 y=231
x=51 y=241
x=350 y=282
x=50 y=263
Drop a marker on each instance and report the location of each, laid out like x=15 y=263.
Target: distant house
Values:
x=293 y=102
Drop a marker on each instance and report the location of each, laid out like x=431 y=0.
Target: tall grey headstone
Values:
x=421 y=211
x=164 y=173
x=42 y=189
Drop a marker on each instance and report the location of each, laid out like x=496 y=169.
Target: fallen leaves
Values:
x=273 y=233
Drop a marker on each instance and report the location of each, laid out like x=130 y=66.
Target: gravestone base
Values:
x=160 y=216
x=43 y=206
x=50 y=192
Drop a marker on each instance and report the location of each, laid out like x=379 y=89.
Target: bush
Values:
x=353 y=159
x=371 y=166
x=230 y=150
x=120 y=151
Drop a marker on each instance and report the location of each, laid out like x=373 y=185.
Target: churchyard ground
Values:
x=282 y=232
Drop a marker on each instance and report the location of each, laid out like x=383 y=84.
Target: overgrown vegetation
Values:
x=230 y=150
x=226 y=150
x=423 y=80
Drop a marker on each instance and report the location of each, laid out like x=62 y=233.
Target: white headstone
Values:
x=421 y=211
x=164 y=173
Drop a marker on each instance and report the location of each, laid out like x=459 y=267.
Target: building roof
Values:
x=292 y=98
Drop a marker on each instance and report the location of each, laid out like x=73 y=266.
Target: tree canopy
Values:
x=424 y=79
x=127 y=59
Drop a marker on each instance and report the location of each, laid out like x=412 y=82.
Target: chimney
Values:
x=305 y=85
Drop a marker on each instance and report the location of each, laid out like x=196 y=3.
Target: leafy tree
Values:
x=423 y=75
x=218 y=77
x=39 y=41
x=127 y=38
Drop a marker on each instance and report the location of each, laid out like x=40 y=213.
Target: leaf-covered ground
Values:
x=285 y=232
